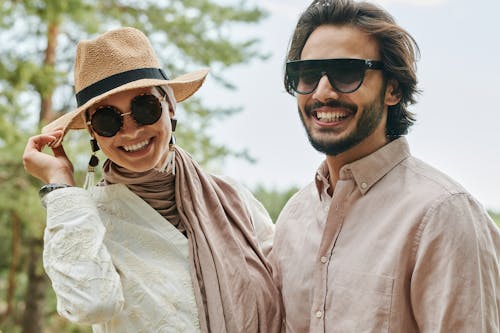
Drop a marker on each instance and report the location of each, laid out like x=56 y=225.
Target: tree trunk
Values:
x=35 y=294
x=11 y=279
x=46 y=112
x=37 y=280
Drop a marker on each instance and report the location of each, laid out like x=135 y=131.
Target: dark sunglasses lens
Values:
x=106 y=121
x=291 y=78
x=146 y=109
x=346 y=75
x=308 y=80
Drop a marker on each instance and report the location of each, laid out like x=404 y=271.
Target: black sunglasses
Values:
x=345 y=75
x=107 y=120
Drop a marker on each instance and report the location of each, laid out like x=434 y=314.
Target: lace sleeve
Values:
x=86 y=284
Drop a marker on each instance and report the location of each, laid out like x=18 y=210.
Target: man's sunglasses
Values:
x=345 y=75
x=107 y=120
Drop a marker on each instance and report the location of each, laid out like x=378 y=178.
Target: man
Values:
x=380 y=241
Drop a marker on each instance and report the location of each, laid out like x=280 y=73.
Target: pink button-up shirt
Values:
x=400 y=247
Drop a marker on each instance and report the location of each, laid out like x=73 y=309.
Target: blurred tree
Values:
x=274 y=200
x=495 y=216
x=38 y=40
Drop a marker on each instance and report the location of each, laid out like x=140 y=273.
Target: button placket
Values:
x=333 y=229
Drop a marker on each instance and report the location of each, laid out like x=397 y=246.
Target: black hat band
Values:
x=117 y=80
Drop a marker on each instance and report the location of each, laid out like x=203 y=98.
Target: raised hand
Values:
x=56 y=168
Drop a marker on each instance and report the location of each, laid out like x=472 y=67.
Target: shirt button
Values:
x=319 y=314
x=364 y=185
x=324 y=259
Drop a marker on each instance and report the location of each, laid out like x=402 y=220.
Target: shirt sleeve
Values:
x=263 y=224
x=85 y=282
x=455 y=286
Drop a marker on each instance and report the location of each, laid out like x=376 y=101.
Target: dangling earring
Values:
x=173 y=121
x=171 y=152
x=170 y=160
x=93 y=162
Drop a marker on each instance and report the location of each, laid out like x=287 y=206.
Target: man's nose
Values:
x=324 y=91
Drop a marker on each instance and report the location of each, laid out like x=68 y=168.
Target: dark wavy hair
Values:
x=398 y=50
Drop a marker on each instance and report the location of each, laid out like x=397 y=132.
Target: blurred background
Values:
x=241 y=123
x=457 y=112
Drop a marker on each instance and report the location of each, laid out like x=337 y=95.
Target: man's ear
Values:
x=392 y=93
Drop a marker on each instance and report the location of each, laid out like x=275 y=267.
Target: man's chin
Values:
x=332 y=147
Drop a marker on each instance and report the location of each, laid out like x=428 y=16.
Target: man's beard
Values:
x=370 y=119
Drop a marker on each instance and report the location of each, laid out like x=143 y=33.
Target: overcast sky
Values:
x=458 y=117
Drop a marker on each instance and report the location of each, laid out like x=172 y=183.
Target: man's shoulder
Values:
x=424 y=186
x=421 y=176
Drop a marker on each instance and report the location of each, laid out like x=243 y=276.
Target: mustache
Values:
x=309 y=109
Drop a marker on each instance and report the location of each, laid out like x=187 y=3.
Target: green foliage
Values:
x=187 y=35
x=274 y=200
x=195 y=137
x=495 y=216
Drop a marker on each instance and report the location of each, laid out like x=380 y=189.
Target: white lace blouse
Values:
x=117 y=264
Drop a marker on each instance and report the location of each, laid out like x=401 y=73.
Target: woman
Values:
x=158 y=245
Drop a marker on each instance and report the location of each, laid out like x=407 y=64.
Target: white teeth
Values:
x=330 y=117
x=137 y=146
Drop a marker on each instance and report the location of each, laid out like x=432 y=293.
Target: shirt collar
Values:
x=369 y=169
x=322 y=179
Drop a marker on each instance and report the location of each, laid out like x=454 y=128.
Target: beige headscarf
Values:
x=232 y=279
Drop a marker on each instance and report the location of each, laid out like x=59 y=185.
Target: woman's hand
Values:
x=48 y=168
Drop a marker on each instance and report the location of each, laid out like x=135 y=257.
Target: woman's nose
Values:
x=130 y=126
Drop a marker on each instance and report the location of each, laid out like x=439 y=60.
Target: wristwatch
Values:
x=47 y=188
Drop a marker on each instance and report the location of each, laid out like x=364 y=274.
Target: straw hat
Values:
x=116 y=61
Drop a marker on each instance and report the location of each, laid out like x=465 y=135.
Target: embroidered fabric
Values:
x=115 y=263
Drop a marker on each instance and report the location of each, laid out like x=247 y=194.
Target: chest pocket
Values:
x=359 y=302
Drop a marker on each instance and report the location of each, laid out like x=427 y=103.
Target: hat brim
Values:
x=183 y=87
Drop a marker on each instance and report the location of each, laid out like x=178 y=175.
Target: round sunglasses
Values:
x=107 y=120
x=345 y=75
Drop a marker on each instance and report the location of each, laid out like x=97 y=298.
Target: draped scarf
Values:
x=232 y=279
x=155 y=187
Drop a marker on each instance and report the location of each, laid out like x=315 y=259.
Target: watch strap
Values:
x=46 y=189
